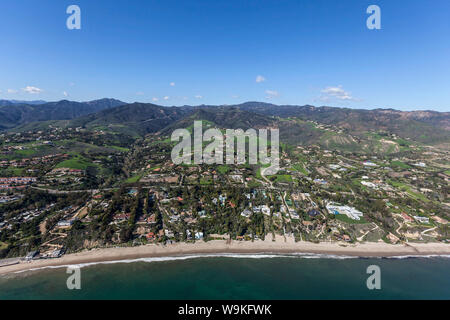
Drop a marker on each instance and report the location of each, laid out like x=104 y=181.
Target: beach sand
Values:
x=279 y=246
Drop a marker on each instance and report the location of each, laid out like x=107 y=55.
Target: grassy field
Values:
x=400 y=164
x=121 y=149
x=282 y=178
x=344 y=218
x=223 y=169
x=134 y=178
x=77 y=162
x=11 y=171
x=300 y=168
x=205 y=181
x=407 y=189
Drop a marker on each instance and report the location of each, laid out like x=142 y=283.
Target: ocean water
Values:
x=239 y=277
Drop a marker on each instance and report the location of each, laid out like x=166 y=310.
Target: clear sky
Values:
x=229 y=51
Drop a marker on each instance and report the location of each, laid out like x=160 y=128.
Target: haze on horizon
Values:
x=228 y=52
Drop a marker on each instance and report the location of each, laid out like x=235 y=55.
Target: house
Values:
x=198 y=235
x=151 y=219
x=150 y=236
x=64 y=223
x=31 y=255
x=406 y=217
x=369 y=164
x=222 y=199
x=420 y=164
x=293 y=214
x=320 y=181
x=265 y=210
x=57 y=253
x=369 y=184
x=121 y=217
x=246 y=213
x=422 y=219
x=132 y=192
x=169 y=233
x=350 y=212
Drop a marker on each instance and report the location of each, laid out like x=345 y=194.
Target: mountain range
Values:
x=15 y=114
x=327 y=126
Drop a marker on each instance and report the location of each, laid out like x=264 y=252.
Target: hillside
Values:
x=133 y=119
x=422 y=126
x=223 y=117
x=14 y=115
x=355 y=130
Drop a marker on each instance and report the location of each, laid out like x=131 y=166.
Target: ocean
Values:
x=262 y=276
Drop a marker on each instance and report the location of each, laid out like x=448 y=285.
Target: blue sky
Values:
x=213 y=52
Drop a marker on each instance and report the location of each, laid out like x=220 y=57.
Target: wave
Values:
x=418 y=256
x=268 y=255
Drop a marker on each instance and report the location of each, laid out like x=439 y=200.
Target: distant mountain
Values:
x=422 y=126
x=13 y=102
x=135 y=118
x=19 y=114
x=223 y=117
x=350 y=129
x=294 y=132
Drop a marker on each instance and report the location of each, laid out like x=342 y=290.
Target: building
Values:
x=313 y=212
x=369 y=184
x=406 y=217
x=352 y=213
x=31 y=255
x=246 y=213
x=198 y=235
x=422 y=219
x=64 y=223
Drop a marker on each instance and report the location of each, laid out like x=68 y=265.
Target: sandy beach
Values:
x=279 y=246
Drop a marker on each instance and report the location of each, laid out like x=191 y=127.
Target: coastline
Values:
x=218 y=247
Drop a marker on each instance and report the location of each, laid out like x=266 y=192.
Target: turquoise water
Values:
x=240 y=278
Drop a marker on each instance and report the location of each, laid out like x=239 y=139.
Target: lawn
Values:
x=205 y=181
x=134 y=178
x=300 y=168
x=26 y=152
x=400 y=164
x=344 y=218
x=223 y=169
x=121 y=149
x=13 y=171
x=283 y=178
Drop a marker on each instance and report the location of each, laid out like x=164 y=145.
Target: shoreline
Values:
x=221 y=247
